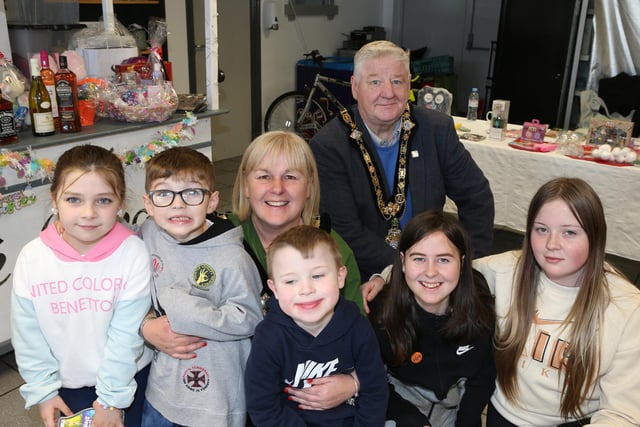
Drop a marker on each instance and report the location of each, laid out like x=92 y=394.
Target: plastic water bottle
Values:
x=472 y=110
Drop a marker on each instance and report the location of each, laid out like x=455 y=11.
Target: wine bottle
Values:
x=49 y=80
x=67 y=96
x=8 y=134
x=39 y=103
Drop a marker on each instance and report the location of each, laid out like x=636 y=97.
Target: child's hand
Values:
x=106 y=417
x=324 y=393
x=49 y=410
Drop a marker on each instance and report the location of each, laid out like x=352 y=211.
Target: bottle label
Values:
x=67 y=115
x=473 y=103
x=43 y=122
x=65 y=94
x=52 y=94
x=69 y=121
x=7 y=125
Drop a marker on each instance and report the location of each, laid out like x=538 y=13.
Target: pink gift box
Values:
x=534 y=131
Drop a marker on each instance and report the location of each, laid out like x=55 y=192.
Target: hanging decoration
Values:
x=185 y=130
x=30 y=168
x=16 y=201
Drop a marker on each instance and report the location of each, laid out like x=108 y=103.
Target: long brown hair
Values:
x=471 y=304
x=582 y=363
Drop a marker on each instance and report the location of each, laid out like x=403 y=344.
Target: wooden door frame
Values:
x=256 y=68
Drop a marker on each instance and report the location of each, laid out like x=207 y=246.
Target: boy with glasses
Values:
x=206 y=285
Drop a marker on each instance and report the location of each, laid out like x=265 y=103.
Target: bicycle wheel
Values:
x=284 y=113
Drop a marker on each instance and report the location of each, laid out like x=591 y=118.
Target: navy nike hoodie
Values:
x=285 y=355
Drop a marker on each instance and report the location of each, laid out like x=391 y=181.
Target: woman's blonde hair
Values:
x=299 y=157
x=581 y=363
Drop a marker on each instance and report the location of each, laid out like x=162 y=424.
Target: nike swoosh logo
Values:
x=539 y=321
x=463 y=349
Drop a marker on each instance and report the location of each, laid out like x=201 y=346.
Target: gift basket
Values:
x=141 y=92
x=140 y=102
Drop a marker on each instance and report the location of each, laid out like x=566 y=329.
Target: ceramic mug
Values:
x=496 y=119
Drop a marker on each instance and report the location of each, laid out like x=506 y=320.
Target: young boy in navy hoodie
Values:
x=310 y=332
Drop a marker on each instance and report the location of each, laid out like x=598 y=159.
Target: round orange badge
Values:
x=416 y=357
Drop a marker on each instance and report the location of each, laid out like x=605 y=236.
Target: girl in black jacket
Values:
x=435 y=325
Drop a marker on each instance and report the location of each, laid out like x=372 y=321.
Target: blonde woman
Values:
x=276 y=189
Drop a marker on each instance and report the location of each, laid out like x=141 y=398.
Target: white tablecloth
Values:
x=515 y=175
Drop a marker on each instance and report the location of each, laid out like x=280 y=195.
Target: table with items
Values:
x=516 y=169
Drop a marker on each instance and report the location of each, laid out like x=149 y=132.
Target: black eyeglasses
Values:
x=190 y=196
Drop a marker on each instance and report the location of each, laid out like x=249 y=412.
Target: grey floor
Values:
x=12 y=412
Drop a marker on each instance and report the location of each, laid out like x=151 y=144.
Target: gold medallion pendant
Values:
x=393 y=235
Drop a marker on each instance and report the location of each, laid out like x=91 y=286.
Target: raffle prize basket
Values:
x=141 y=103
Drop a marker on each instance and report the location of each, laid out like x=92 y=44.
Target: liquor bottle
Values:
x=8 y=134
x=472 y=110
x=49 y=80
x=67 y=96
x=39 y=103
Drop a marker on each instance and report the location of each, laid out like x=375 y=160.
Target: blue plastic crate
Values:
x=331 y=63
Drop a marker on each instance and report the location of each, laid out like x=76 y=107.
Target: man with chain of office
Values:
x=384 y=160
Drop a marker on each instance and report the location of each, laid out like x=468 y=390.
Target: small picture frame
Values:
x=616 y=133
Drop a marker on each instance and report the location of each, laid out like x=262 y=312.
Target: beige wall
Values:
x=232 y=131
x=283 y=48
x=176 y=44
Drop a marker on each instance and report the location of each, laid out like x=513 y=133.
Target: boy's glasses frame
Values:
x=190 y=196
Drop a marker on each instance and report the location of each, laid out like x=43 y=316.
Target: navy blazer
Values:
x=438 y=166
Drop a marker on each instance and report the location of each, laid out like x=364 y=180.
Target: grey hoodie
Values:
x=208 y=288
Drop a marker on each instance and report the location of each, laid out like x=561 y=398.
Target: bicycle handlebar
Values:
x=315 y=57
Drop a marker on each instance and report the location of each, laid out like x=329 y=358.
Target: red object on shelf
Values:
x=140 y=66
x=87 y=109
